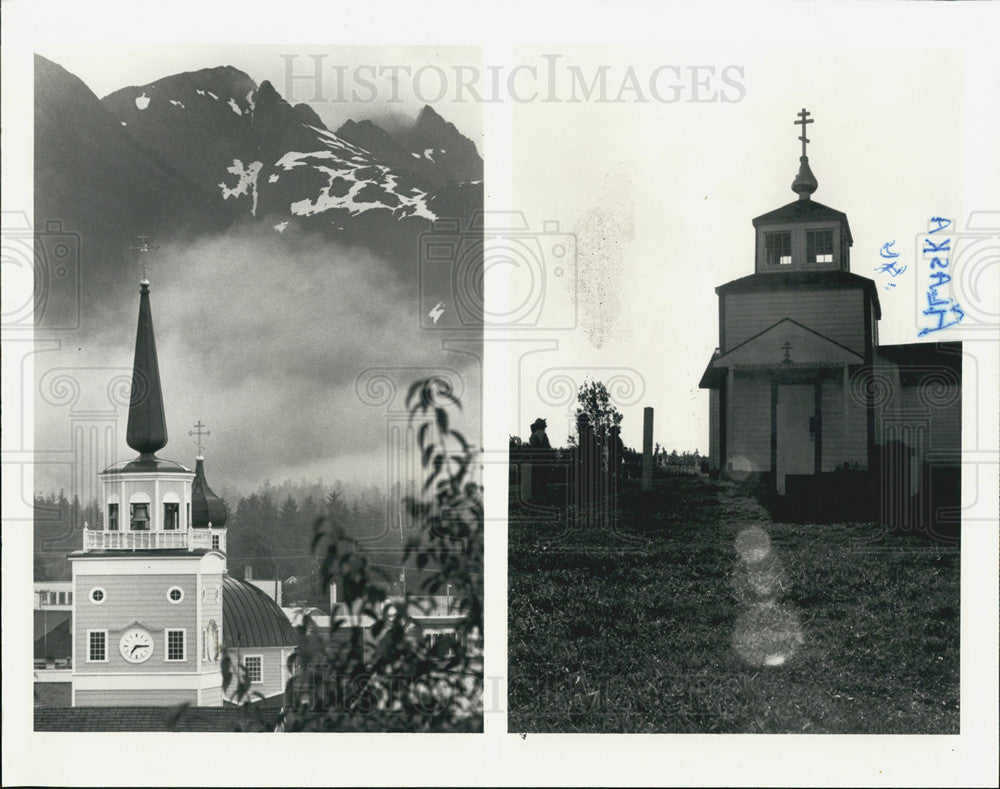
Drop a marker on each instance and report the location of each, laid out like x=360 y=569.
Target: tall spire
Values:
x=147 y=423
x=805 y=182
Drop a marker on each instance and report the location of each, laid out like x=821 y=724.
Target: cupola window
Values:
x=819 y=246
x=171 y=516
x=113 y=517
x=778 y=249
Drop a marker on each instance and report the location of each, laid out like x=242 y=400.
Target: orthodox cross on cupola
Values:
x=200 y=432
x=805 y=182
x=803 y=120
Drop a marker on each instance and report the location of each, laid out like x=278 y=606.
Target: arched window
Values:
x=171 y=512
x=139 y=512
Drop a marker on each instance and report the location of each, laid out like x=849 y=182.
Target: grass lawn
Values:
x=631 y=629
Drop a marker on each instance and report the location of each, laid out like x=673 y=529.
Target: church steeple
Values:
x=147 y=423
x=805 y=182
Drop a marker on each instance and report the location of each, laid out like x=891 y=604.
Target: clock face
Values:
x=136 y=645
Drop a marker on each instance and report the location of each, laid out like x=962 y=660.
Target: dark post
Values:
x=647 y=448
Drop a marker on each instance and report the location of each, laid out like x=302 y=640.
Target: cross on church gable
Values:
x=786 y=347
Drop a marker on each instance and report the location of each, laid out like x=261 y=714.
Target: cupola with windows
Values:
x=803 y=235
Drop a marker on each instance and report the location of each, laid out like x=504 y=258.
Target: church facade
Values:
x=153 y=604
x=802 y=395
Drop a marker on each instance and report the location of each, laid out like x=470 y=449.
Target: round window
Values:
x=175 y=594
x=97 y=595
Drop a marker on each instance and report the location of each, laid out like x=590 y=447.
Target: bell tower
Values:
x=148 y=581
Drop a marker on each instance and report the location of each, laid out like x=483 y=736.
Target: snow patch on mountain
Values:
x=141 y=102
x=247 y=183
x=177 y=103
x=381 y=192
x=280 y=227
x=235 y=107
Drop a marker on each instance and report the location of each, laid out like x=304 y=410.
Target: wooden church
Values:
x=804 y=398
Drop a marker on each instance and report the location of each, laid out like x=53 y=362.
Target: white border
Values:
x=498 y=758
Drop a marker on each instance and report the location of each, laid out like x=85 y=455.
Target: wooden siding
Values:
x=834 y=313
x=272 y=668
x=134 y=698
x=832 y=433
x=942 y=407
x=749 y=442
x=130 y=599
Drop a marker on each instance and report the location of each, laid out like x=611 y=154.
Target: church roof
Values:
x=251 y=618
x=797 y=279
x=206 y=507
x=141 y=464
x=803 y=211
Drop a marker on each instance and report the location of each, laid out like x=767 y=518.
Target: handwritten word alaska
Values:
x=942 y=311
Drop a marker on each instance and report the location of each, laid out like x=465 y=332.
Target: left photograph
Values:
x=257 y=324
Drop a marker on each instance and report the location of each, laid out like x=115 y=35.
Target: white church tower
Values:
x=148 y=584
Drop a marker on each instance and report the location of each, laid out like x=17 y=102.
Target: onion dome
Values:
x=252 y=619
x=147 y=423
x=207 y=509
x=805 y=182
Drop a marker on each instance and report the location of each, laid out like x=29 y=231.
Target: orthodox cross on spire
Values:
x=803 y=120
x=199 y=431
x=142 y=248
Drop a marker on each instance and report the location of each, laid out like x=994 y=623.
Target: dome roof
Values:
x=206 y=507
x=146 y=464
x=252 y=619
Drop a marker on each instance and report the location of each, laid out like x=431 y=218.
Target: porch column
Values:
x=846 y=395
x=730 y=380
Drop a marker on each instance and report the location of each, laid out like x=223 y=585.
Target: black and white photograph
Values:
x=609 y=390
x=736 y=475
x=265 y=514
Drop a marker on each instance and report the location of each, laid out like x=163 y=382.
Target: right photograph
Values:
x=735 y=498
